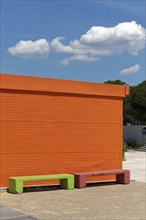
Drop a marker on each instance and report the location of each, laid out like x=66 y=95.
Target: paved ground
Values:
x=136 y=163
x=107 y=201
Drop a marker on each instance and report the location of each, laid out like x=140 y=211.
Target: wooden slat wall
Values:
x=46 y=133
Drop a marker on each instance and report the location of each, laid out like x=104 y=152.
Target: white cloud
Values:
x=30 y=49
x=101 y=41
x=97 y=42
x=78 y=57
x=130 y=70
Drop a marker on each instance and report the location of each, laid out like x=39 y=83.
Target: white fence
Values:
x=134 y=132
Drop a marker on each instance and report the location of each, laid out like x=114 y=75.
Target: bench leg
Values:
x=80 y=181
x=15 y=186
x=123 y=178
x=67 y=183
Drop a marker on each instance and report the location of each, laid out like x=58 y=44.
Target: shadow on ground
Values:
x=11 y=214
x=57 y=187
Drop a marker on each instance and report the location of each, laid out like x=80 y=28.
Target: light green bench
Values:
x=16 y=183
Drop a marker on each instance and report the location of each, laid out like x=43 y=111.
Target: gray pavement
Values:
x=136 y=163
x=98 y=201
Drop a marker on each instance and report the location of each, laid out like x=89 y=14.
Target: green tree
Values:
x=117 y=81
x=135 y=103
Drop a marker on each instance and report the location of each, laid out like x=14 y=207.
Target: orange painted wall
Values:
x=59 y=126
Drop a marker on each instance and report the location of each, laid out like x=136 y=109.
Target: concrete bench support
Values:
x=122 y=176
x=16 y=183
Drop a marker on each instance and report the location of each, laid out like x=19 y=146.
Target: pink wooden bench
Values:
x=122 y=176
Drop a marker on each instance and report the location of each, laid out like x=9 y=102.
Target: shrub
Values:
x=131 y=143
x=124 y=149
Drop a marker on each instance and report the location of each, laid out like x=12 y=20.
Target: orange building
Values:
x=51 y=126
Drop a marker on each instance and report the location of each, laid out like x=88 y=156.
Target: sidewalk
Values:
x=136 y=163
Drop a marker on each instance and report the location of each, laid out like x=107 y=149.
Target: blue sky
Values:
x=92 y=41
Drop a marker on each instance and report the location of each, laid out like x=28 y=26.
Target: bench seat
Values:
x=16 y=183
x=122 y=176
